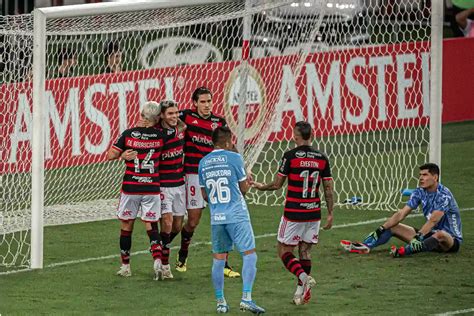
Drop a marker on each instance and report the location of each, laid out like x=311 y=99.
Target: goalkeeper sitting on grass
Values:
x=442 y=231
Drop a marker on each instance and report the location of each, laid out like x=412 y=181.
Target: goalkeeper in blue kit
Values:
x=442 y=231
x=223 y=183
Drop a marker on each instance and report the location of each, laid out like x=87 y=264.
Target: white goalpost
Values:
x=365 y=74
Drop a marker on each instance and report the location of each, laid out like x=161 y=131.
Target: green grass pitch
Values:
x=81 y=261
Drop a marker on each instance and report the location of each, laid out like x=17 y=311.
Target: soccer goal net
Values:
x=358 y=71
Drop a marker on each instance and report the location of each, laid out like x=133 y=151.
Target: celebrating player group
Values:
x=176 y=161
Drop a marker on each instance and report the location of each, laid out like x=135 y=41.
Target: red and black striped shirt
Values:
x=171 y=160
x=142 y=175
x=305 y=167
x=198 y=137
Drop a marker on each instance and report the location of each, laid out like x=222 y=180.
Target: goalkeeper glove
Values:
x=416 y=243
x=376 y=233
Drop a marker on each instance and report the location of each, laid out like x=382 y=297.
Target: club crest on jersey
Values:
x=214 y=126
x=136 y=134
x=300 y=154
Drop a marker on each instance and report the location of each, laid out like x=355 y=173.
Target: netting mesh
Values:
x=358 y=71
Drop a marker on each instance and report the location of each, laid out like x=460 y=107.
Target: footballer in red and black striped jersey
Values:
x=142 y=173
x=172 y=154
x=200 y=124
x=140 y=148
x=198 y=137
x=304 y=167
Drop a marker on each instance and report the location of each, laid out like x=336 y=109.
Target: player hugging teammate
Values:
x=185 y=138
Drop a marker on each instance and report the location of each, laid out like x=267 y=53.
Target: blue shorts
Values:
x=224 y=236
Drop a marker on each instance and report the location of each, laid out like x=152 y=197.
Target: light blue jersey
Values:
x=441 y=200
x=219 y=174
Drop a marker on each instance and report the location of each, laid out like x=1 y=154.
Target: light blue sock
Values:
x=384 y=237
x=218 y=277
x=249 y=270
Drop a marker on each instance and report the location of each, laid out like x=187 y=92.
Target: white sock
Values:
x=246 y=296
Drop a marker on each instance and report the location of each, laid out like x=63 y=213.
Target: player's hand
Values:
x=181 y=126
x=417 y=243
x=328 y=225
x=376 y=233
x=256 y=185
x=129 y=154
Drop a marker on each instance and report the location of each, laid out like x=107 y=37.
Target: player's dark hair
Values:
x=431 y=167
x=65 y=54
x=200 y=91
x=305 y=129
x=165 y=104
x=111 y=48
x=220 y=135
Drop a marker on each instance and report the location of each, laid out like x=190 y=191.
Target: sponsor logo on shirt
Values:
x=455 y=225
x=136 y=134
x=219 y=217
x=172 y=154
x=202 y=140
x=142 y=179
x=310 y=206
x=215 y=160
x=300 y=154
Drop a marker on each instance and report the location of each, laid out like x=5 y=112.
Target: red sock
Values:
x=156 y=251
x=292 y=264
x=155 y=244
x=165 y=239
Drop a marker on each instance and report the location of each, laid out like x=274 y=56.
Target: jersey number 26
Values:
x=219 y=191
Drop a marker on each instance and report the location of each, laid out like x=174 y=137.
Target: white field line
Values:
x=461 y=311
x=65 y=263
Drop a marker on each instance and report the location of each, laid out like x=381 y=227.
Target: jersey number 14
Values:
x=147 y=163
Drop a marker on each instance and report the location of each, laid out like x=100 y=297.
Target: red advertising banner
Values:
x=342 y=92
x=458 y=82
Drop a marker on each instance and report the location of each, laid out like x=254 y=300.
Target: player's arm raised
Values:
x=328 y=187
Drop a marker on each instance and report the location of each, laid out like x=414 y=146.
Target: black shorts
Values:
x=453 y=249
